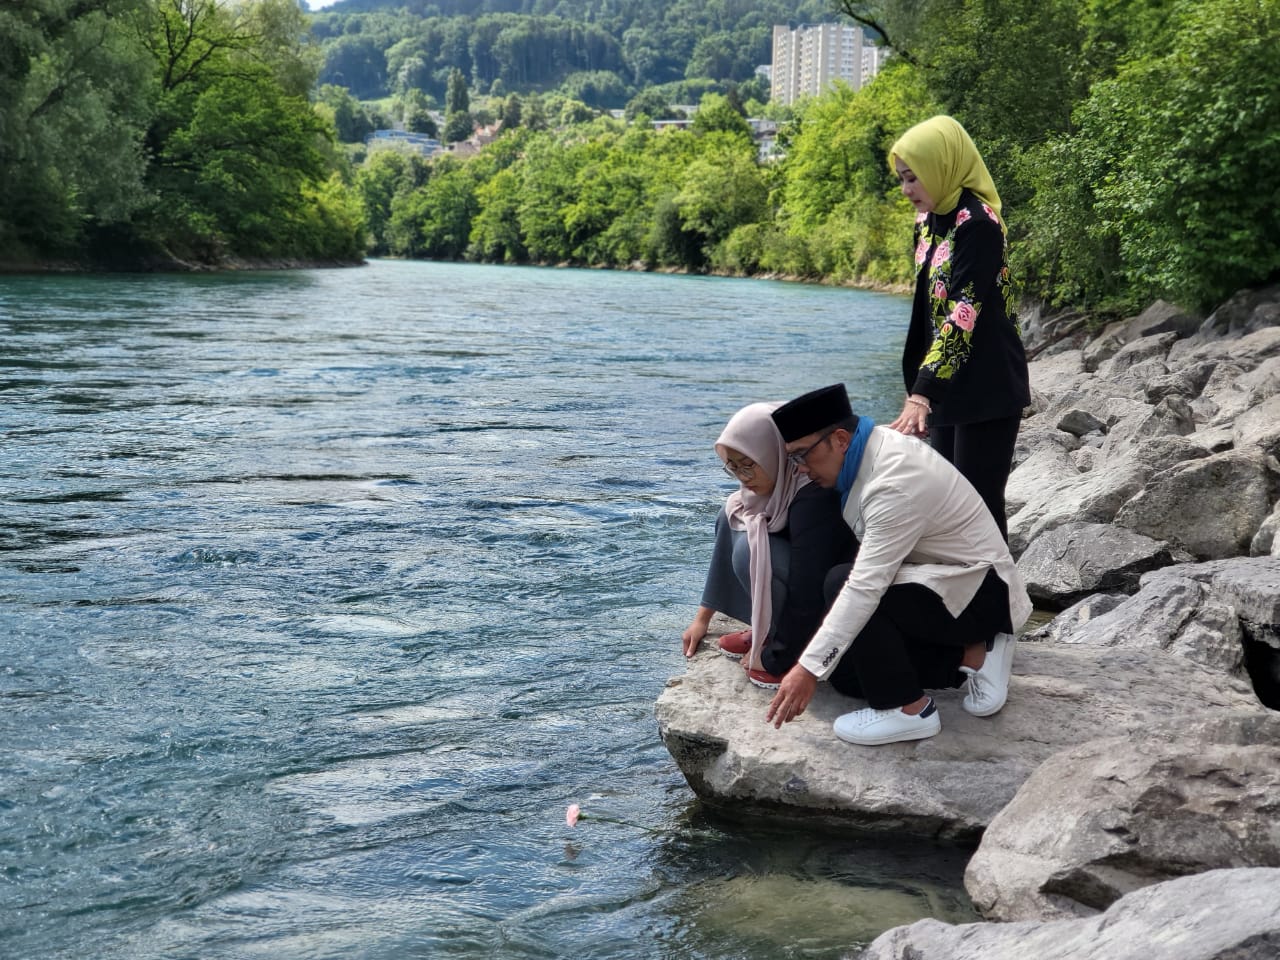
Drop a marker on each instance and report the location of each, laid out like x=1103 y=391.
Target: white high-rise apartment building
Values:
x=810 y=58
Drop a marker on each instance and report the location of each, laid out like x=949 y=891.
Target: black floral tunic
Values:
x=964 y=347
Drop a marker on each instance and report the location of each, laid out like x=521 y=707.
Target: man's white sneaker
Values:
x=988 y=687
x=871 y=727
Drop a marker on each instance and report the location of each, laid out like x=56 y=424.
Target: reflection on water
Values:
x=326 y=592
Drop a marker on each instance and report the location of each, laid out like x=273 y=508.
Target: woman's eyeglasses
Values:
x=742 y=470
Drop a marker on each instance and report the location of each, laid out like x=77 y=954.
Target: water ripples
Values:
x=326 y=591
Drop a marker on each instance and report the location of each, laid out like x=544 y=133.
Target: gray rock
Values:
x=1219 y=915
x=1251 y=585
x=1211 y=506
x=1265 y=543
x=1105 y=345
x=1244 y=312
x=1148 y=348
x=1062 y=627
x=1248 y=350
x=1080 y=422
x=1049 y=489
x=1098 y=821
x=1178 y=615
x=1185 y=381
x=1076 y=559
x=1259 y=428
x=1161 y=317
x=950 y=786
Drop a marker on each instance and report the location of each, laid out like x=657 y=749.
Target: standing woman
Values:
x=963 y=361
x=776 y=537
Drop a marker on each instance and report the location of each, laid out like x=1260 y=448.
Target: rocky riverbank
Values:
x=1141 y=742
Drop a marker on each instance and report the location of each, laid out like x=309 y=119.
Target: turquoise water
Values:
x=325 y=592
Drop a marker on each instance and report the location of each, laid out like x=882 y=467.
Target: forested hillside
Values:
x=378 y=47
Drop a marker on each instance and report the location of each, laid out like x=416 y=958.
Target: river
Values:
x=325 y=592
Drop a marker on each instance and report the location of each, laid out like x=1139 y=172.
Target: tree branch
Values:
x=852 y=10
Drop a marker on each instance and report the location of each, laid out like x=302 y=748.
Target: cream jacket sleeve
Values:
x=919 y=521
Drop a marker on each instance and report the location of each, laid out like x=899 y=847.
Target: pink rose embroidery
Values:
x=922 y=250
x=921 y=217
x=942 y=254
x=939 y=291
x=964 y=315
x=946 y=328
x=990 y=213
x=962 y=217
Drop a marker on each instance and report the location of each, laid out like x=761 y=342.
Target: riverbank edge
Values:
x=234 y=264
x=51 y=266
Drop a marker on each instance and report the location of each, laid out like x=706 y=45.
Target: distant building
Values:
x=809 y=59
x=403 y=140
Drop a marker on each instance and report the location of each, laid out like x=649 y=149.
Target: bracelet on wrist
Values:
x=921 y=403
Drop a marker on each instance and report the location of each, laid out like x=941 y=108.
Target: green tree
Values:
x=420 y=121
x=650 y=102
x=233 y=149
x=1181 y=154
x=512 y=112
x=73 y=111
x=457 y=99
x=721 y=190
x=458 y=126
x=350 y=120
x=716 y=113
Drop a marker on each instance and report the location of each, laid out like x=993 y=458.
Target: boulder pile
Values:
x=1132 y=781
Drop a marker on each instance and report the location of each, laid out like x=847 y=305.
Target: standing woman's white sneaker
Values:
x=871 y=727
x=988 y=686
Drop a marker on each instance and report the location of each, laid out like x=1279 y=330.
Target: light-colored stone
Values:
x=1259 y=428
x=1265 y=542
x=1250 y=584
x=1219 y=915
x=1211 y=506
x=1049 y=489
x=1098 y=821
x=1176 y=614
x=949 y=786
x=1069 y=562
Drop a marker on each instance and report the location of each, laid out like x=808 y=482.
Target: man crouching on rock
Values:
x=933 y=597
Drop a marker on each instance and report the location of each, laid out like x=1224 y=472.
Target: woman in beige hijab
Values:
x=776 y=538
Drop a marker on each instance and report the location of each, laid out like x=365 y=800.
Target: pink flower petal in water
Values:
x=571 y=815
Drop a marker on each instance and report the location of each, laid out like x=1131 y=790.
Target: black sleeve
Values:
x=976 y=263
x=820 y=539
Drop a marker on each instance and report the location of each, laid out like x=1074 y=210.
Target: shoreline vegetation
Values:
x=237 y=150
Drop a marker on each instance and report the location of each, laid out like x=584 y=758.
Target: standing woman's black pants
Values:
x=983 y=453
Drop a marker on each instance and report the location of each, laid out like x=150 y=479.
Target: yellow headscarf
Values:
x=942 y=156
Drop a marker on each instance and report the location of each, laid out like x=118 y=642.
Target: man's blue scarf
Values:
x=853 y=458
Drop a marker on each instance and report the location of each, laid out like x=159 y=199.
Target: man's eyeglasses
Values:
x=799 y=458
x=743 y=470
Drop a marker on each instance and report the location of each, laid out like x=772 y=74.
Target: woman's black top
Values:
x=964 y=346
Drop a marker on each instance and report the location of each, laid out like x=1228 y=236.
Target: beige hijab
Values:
x=751 y=432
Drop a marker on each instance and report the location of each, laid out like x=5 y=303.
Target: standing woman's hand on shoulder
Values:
x=914 y=418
